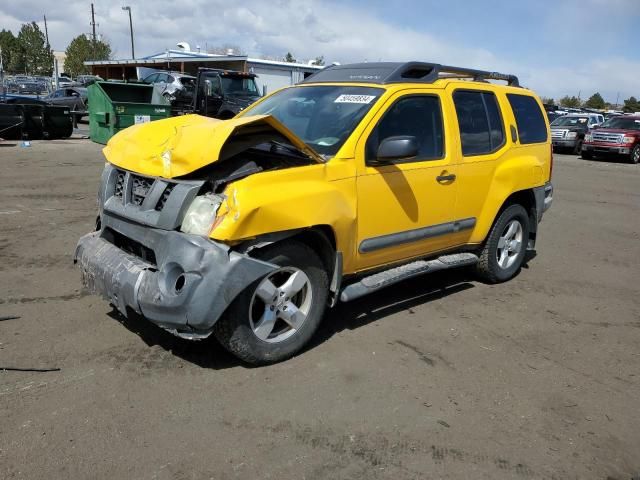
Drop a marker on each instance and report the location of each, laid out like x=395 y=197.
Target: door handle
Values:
x=446 y=178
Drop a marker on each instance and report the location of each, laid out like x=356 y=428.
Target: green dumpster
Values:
x=115 y=106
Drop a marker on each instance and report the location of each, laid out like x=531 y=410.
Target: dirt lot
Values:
x=440 y=377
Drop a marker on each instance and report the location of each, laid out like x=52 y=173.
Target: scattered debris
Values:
x=9 y=317
x=443 y=423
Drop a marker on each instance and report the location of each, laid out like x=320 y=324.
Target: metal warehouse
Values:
x=271 y=74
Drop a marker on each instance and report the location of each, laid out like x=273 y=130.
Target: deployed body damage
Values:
x=138 y=261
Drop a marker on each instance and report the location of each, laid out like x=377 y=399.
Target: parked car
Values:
x=63 y=82
x=359 y=177
x=172 y=84
x=86 y=80
x=73 y=97
x=27 y=86
x=618 y=135
x=568 y=131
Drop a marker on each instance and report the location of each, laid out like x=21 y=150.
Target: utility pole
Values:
x=46 y=30
x=93 y=23
x=617 y=98
x=133 y=53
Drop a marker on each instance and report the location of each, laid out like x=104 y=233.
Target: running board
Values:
x=377 y=281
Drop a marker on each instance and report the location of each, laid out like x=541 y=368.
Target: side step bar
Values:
x=380 y=280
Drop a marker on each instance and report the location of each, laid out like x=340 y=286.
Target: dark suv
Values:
x=568 y=131
x=618 y=135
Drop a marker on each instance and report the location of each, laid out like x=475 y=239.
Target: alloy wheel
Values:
x=509 y=244
x=280 y=305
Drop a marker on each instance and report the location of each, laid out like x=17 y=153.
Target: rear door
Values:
x=483 y=143
x=406 y=208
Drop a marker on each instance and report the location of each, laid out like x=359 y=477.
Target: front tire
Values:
x=275 y=317
x=504 y=251
x=635 y=155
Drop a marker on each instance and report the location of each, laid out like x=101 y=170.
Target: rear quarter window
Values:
x=529 y=118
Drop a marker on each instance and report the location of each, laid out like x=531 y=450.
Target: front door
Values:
x=406 y=207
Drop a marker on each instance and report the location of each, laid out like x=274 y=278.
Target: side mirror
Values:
x=396 y=148
x=208 y=88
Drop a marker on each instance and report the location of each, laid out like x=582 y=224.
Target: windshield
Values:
x=624 y=123
x=321 y=116
x=240 y=86
x=570 y=121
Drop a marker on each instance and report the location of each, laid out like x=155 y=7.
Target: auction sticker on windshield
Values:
x=364 y=99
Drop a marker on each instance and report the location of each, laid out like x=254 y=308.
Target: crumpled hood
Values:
x=180 y=145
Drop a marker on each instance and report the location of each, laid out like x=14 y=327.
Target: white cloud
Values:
x=309 y=28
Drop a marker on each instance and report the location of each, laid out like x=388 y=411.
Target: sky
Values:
x=555 y=47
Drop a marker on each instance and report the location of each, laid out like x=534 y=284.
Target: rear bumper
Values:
x=615 y=149
x=544 y=198
x=185 y=291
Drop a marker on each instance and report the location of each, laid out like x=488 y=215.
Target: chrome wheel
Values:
x=280 y=305
x=509 y=244
x=635 y=155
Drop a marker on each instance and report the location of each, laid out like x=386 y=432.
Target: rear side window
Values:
x=481 y=129
x=531 y=126
x=419 y=116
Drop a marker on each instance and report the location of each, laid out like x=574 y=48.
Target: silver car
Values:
x=172 y=84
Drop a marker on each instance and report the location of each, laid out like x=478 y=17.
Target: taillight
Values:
x=551 y=164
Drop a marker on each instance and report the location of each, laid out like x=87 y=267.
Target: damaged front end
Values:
x=157 y=207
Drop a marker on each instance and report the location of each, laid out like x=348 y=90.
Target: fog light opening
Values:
x=180 y=281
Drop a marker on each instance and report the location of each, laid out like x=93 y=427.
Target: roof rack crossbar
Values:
x=419 y=72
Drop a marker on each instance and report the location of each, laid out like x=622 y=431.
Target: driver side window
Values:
x=419 y=116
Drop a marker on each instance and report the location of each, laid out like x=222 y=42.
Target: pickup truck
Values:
x=618 y=135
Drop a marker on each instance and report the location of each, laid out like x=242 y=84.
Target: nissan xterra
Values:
x=361 y=176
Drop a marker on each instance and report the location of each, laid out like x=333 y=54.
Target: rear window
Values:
x=531 y=125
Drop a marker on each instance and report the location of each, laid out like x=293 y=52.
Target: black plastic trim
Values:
x=408 y=236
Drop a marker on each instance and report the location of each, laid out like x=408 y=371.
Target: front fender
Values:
x=286 y=200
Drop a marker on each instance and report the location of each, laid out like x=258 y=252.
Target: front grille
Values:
x=558 y=133
x=164 y=197
x=140 y=187
x=130 y=246
x=119 y=190
x=607 y=137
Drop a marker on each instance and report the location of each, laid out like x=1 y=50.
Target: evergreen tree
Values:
x=80 y=50
x=32 y=56
x=595 y=101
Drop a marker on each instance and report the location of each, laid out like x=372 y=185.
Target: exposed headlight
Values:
x=588 y=137
x=626 y=139
x=572 y=134
x=201 y=214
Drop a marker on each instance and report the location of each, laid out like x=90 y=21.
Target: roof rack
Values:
x=395 y=72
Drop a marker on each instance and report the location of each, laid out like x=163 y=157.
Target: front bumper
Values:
x=604 y=148
x=186 y=289
x=565 y=143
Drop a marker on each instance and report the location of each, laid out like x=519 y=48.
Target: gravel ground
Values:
x=439 y=377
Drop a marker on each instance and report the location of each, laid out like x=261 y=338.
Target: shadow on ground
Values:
x=348 y=316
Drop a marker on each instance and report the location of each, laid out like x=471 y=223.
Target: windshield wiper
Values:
x=289 y=148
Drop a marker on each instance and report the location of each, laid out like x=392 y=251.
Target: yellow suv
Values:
x=361 y=176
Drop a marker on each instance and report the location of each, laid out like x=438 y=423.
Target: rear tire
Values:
x=586 y=155
x=259 y=326
x=504 y=251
